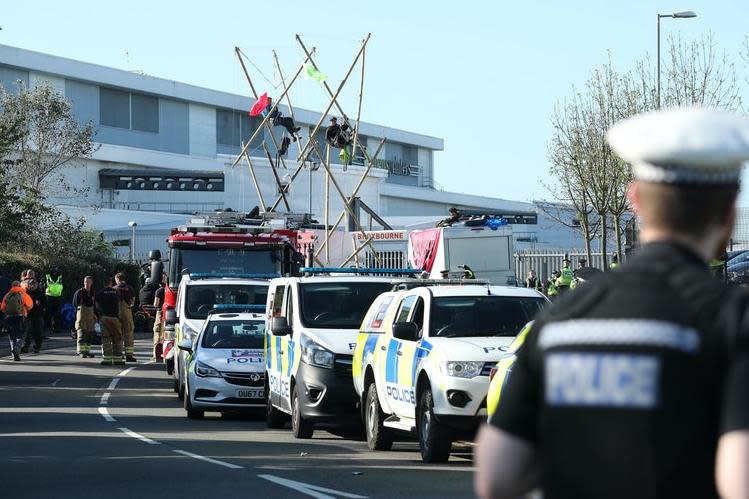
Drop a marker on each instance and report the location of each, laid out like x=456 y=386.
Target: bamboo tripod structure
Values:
x=311 y=147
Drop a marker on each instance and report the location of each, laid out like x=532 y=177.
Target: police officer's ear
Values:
x=633 y=196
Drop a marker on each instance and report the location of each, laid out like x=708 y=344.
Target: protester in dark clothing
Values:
x=336 y=135
x=279 y=119
x=35 y=317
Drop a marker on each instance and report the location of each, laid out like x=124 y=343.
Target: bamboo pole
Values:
x=267 y=116
x=327 y=206
x=263 y=207
x=358 y=111
x=355 y=191
x=268 y=125
x=346 y=205
x=327 y=87
x=355 y=254
x=303 y=152
x=283 y=82
x=287 y=186
x=275 y=176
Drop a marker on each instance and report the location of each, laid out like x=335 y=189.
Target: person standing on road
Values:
x=53 y=291
x=35 y=318
x=16 y=305
x=638 y=384
x=566 y=276
x=107 y=306
x=533 y=282
x=158 y=326
x=614 y=262
x=551 y=284
x=85 y=319
x=127 y=298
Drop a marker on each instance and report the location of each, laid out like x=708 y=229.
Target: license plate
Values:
x=254 y=393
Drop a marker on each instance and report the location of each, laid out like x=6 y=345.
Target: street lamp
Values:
x=676 y=15
x=133 y=224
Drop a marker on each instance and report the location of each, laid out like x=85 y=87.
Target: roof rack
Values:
x=355 y=270
x=236 y=307
x=230 y=275
x=418 y=283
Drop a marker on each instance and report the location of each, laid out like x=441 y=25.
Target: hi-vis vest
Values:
x=54 y=288
x=565 y=277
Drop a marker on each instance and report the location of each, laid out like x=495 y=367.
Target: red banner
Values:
x=422 y=247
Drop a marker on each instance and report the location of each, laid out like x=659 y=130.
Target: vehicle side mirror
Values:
x=408 y=331
x=185 y=345
x=171 y=317
x=279 y=326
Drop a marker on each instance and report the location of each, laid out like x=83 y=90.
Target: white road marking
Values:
x=150 y=362
x=104 y=399
x=138 y=436
x=310 y=490
x=105 y=413
x=56 y=381
x=208 y=459
x=113 y=383
x=124 y=373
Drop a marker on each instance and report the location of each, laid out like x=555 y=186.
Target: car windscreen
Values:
x=463 y=316
x=222 y=261
x=338 y=305
x=202 y=298
x=234 y=334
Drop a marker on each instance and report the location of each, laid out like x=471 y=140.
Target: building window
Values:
x=128 y=110
x=145 y=111
x=227 y=127
x=114 y=108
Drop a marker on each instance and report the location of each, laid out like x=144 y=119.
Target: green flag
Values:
x=314 y=74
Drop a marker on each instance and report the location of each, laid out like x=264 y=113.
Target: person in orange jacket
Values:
x=16 y=305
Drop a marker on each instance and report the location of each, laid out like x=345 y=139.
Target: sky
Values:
x=484 y=76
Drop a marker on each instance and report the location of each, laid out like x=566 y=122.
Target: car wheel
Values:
x=169 y=366
x=378 y=436
x=300 y=427
x=435 y=441
x=274 y=419
x=191 y=412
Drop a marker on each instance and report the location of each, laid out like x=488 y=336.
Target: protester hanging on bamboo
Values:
x=264 y=105
x=339 y=136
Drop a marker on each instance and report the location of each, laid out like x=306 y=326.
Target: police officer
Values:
x=637 y=385
x=551 y=284
x=107 y=304
x=566 y=276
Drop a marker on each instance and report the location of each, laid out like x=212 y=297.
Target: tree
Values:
x=51 y=137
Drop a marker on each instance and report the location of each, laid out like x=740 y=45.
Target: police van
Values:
x=312 y=324
x=423 y=357
x=198 y=295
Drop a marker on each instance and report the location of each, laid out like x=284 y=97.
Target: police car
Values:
x=198 y=295
x=225 y=364
x=310 y=338
x=423 y=357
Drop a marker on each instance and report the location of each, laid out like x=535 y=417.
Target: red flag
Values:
x=258 y=106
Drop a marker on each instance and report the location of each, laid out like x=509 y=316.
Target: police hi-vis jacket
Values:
x=463 y=330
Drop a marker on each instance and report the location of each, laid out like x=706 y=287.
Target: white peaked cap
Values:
x=683 y=146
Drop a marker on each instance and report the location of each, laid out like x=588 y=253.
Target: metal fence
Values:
x=545 y=261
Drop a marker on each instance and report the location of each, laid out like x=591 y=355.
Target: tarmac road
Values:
x=72 y=428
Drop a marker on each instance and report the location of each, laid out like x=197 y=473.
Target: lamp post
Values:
x=133 y=224
x=687 y=14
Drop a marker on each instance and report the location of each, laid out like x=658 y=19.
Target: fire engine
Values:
x=229 y=242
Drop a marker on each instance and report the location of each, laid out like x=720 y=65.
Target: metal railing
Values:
x=166 y=206
x=546 y=261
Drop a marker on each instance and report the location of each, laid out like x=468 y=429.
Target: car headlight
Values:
x=206 y=371
x=188 y=333
x=316 y=355
x=463 y=369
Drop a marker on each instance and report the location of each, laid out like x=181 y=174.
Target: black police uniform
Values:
x=626 y=384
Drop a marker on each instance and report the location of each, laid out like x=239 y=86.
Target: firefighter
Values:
x=636 y=384
x=158 y=326
x=127 y=299
x=107 y=306
x=85 y=319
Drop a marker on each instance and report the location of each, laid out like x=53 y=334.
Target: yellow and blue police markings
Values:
x=401 y=367
x=281 y=362
x=504 y=368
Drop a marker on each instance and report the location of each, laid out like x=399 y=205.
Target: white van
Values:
x=312 y=324
x=198 y=295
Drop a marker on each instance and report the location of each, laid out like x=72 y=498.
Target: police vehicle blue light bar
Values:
x=222 y=307
x=355 y=270
x=227 y=275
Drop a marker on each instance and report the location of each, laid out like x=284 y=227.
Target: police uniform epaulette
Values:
x=684 y=146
